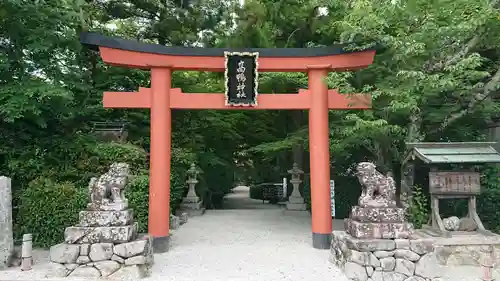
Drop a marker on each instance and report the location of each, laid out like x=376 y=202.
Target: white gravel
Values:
x=240 y=244
x=246 y=245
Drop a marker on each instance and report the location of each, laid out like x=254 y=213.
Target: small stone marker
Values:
x=487 y=262
x=184 y=217
x=26 y=256
x=6 y=238
x=174 y=222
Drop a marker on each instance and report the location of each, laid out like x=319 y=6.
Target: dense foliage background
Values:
x=435 y=78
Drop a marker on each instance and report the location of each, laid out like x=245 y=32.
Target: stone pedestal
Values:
x=102 y=259
x=105 y=243
x=296 y=204
x=385 y=259
x=465 y=248
x=106 y=218
x=114 y=206
x=378 y=223
x=191 y=209
x=6 y=238
x=100 y=234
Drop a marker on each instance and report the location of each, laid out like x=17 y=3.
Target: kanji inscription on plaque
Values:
x=454 y=183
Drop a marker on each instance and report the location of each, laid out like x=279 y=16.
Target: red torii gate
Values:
x=161 y=99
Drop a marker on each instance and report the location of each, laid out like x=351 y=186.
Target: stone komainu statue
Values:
x=108 y=191
x=377 y=190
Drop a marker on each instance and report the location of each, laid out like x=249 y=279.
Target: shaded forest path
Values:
x=240 y=199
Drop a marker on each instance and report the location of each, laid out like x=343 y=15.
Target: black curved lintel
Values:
x=95 y=40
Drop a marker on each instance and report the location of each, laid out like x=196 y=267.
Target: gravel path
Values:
x=257 y=243
x=260 y=242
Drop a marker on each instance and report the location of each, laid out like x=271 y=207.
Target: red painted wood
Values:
x=350 y=61
x=180 y=100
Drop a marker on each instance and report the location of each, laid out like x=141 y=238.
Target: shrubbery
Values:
x=46 y=208
x=418 y=209
x=52 y=201
x=256 y=192
x=306 y=190
x=138 y=197
x=488 y=203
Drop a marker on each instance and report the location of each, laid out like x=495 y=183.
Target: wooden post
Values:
x=320 y=158
x=159 y=185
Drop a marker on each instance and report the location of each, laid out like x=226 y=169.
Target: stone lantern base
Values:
x=193 y=206
x=296 y=204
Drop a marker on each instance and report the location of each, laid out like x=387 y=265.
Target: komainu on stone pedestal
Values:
x=105 y=243
x=377 y=215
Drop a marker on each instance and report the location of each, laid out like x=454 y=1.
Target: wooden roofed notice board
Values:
x=458 y=181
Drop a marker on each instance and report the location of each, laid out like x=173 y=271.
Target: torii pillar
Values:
x=319 y=153
x=160 y=155
x=161 y=99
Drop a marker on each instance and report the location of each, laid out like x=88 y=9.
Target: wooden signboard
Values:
x=241 y=78
x=332 y=196
x=454 y=183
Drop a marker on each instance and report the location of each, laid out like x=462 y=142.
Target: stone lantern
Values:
x=296 y=201
x=192 y=181
x=192 y=204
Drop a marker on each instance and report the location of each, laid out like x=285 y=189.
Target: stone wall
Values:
x=132 y=259
x=384 y=259
x=6 y=239
x=468 y=250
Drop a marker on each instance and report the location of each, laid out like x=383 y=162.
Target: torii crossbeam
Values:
x=180 y=100
x=161 y=99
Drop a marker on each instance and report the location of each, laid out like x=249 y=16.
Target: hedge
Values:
x=51 y=202
x=256 y=192
x=46 y=208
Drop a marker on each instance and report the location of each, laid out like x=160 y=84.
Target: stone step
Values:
x=296 y=206
x=101 y=234
x=191 y=212
x=106 y=218
x=371 y=214
x=371 y=230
